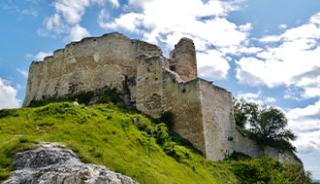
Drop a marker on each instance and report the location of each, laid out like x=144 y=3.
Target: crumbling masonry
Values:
x=152 y=83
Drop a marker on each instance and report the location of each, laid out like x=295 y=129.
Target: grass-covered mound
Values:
x=130 y=143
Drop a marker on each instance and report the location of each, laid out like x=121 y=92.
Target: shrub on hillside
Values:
x=265 y=125
x=161 y=133
x=167 y=118
x=269 y=171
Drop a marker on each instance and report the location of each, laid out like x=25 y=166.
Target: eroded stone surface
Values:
x=53 y=163
x=249 y=147
x=152 y=83
x=183 y=59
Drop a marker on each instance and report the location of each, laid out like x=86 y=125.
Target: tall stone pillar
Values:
x=183 y=59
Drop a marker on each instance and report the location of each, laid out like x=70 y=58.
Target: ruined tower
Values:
x=183 y=59
x=146 y=79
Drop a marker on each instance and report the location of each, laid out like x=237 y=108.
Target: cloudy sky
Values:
x=267 y=51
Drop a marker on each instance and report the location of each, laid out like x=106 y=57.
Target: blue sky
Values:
x=266 y=51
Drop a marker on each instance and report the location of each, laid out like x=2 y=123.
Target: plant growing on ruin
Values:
x=167 y=117
x=266 y=125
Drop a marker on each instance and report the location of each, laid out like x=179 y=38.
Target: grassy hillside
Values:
x=130 y=143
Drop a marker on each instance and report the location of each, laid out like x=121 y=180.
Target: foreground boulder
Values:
x=53 y=163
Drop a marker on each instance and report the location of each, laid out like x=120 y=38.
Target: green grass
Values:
x=126 y=142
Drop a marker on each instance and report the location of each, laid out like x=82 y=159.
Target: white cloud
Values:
x=73 y=10
x=164 y=22
x=245 y=27
x=115 y=3
x=256 y=98
x=23 y=72
x=288 y=59
x=54 y=23
x=41 y=55
x=312 y=91
x=128 y=22
x=8 y=95
x=66 y=19
x=305 y=122
x=212 y=65
x=310 y=112
x=310 y=83
x=77 y=33
x=210 y=8
x=283 y=26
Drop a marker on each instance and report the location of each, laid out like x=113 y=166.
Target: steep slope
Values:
x=129 y=143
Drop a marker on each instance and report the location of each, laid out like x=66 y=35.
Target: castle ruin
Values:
x=152 y=83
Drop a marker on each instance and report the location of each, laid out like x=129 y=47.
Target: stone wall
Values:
x=183 y=59
x=182 y=99
x=245 y=145
x=249 y=147
x=90 y=64
x=83 y=66
x=216 y=106
x=149 y=86
x=150 y=82
x=202 y=114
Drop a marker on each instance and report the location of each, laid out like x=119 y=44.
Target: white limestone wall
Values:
x=183 y=100
x=216 y=106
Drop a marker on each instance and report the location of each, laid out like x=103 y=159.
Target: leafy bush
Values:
x=175 y=137
x=167 y=117
x=238 y=156
x=109 y=95
x=268 y=171
x=7 y=112
x=171 y=143
x=180 y=153
x=82 y=97
x=161 y=133
x=141 y=124
x=265 y=125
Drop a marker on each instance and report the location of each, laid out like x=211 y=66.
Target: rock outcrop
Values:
x=52 y=163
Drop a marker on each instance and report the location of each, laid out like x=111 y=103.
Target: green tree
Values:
x=266 y=125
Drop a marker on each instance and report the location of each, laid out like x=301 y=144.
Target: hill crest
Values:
x=142 y=77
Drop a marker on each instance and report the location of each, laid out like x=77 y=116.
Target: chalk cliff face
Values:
x=149 y=81
x=53 y=163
